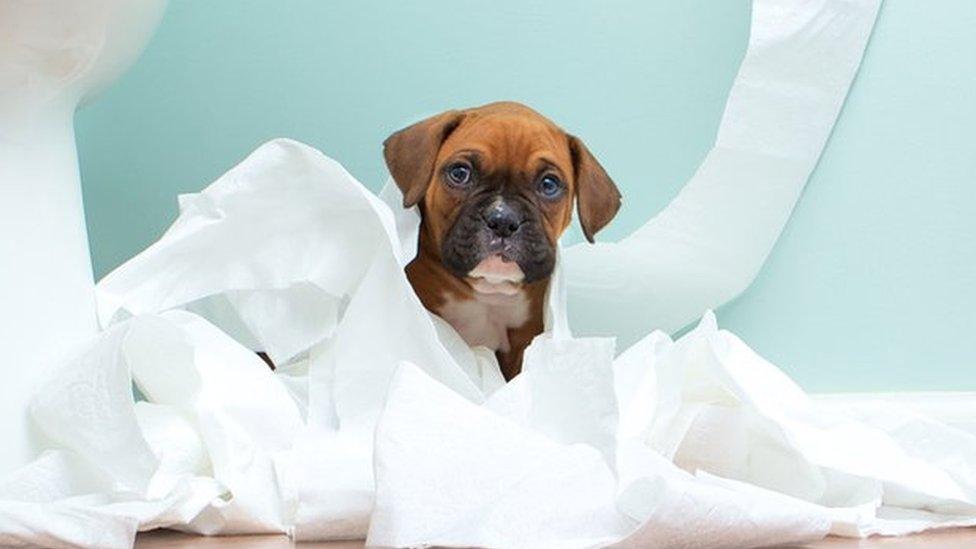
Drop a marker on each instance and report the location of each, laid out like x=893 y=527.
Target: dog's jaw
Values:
x=496 y=275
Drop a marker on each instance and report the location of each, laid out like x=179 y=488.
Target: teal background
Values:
x=870 y=286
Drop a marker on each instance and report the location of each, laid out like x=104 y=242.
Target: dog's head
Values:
x=496 y=186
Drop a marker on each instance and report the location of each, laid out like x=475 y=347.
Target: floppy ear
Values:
x=410 y=153
x=597 y=198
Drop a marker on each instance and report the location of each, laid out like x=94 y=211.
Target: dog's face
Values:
x=496 y=187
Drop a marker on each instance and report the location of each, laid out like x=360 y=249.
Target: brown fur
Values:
x=505 y=136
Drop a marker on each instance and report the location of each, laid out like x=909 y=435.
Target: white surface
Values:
x=955 y=409
x=53 y=54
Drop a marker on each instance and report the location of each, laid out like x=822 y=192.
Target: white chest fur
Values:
x=486 y=319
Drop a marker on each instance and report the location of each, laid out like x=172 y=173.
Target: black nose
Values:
x=502 y=219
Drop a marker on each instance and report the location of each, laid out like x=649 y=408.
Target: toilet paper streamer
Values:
x=381 y=422
x=709 y=243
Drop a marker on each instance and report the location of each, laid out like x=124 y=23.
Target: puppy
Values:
x=495 y=186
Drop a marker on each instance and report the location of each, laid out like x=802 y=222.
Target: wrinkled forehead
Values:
x=524 y=142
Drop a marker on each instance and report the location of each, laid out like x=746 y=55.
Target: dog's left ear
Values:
x=410 y=153
x=597 y=198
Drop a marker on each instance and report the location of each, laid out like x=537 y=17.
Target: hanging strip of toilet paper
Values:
x=709 y=243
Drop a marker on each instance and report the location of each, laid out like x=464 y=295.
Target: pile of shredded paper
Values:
x=380 y=422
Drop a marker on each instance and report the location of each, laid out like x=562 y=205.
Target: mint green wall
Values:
x=869 y=289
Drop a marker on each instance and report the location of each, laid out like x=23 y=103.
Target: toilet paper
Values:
x=453 y=474
x=708 y=244
x=385 y=424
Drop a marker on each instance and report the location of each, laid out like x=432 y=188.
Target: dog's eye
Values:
x=550 y=186
x=459 y=174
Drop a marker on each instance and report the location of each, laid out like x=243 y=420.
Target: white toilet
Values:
x=54 y=55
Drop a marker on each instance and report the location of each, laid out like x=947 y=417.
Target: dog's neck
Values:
x=505 y=324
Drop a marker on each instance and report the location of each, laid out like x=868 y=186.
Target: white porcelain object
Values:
x=54 y=54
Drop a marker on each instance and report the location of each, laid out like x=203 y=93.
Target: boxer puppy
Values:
x=495 y=186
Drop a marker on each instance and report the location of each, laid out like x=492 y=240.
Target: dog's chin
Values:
x=495 y=275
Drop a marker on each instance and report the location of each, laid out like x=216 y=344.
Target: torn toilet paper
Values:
x=381 y=422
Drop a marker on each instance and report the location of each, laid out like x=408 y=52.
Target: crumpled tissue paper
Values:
x=387 y=425
x=380 y=423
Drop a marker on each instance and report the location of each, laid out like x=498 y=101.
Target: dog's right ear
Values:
x=410 y=153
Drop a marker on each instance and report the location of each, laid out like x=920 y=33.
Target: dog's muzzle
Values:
x=498 y=244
